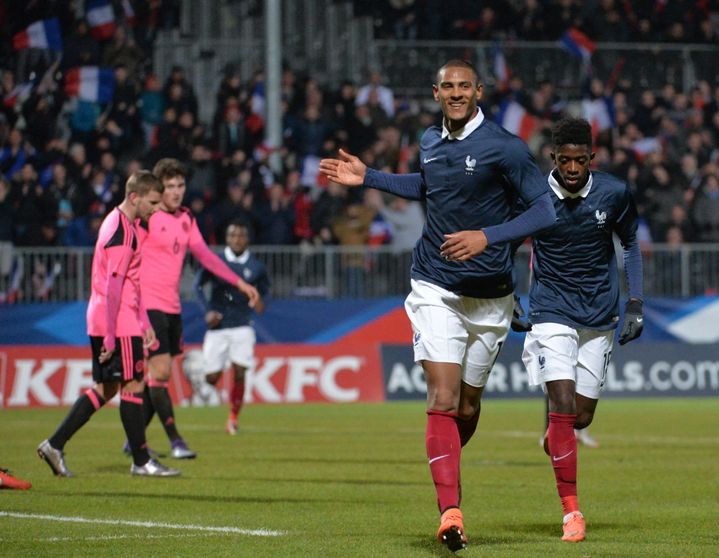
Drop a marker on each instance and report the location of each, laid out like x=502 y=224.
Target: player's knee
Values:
x=213 y=378
x=445 y=401
x=584 y=419
x=467 y=410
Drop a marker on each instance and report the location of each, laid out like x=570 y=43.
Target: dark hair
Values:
x=142 y=182
x=458 y=63
x=576 y=131
x=169 y=168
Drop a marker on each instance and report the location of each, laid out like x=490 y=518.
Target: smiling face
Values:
x=174 y=192
x=572 y=163
x=458 y=91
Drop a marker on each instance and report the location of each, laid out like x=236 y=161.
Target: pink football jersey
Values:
x=117 y=254
x=164 y=244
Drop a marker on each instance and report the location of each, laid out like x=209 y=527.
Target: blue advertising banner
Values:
x=637 y=369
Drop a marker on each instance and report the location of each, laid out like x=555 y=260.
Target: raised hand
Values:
x=347 y=170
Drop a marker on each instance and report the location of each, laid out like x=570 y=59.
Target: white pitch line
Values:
x=119 y=537
x=148 y=524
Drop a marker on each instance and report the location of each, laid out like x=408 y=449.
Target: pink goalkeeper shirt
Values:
x=116 y=252
x=164 y=245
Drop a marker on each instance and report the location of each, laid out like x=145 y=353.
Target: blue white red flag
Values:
x=129 y=13
x=101 y=18
x=90 y=83
x=502 y=72
x=18 y=95
x=599 y=113
x=514 y=118
x=41 y=34
x=578 y=44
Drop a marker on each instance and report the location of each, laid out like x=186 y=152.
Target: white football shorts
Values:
x=232 y=344
x=452 y=328
x=559 y=352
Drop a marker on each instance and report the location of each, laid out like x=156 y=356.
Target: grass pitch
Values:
x=352 y=480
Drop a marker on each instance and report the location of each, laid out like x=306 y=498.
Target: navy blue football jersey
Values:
x=574 y=267
x=225 y=298
x=470 y=180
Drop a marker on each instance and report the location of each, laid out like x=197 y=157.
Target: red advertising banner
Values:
x=49 y=376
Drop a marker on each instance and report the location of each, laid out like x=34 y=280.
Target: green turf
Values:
x=352 y=480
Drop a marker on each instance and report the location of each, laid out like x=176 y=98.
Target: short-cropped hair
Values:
x=142 y=182
x=576 y=131
x=169 y=168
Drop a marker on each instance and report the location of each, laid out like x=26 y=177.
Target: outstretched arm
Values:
x=348 y=170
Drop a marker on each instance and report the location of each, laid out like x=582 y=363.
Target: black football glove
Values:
x=633 y=322
x=518 y=324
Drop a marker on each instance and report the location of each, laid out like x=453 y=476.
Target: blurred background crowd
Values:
x=69 y=138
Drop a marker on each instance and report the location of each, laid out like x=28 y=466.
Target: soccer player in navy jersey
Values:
x=461 y=302
x=230 y=335
x=574 y=300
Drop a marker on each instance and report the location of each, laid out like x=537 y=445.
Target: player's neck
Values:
x=128 y=210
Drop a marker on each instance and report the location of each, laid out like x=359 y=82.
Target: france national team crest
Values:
x=469 y=164
x=247 y=273
x=601 y=218
x=542 y=360
x=417 y=337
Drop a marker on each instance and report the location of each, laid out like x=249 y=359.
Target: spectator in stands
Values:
x=152 y=105
x=705 y=211
x=123 y=51
x=275 y=218
x=384 y=94
x=330 y=203
x=7 y=229
x=178 y=92
x=351 y=228
x=202 y=177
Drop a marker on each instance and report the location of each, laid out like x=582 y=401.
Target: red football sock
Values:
x=467 y=427
x=237 y=396
x=443 y=452
x=563 y=453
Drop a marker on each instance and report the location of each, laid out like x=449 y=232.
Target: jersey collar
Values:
x=468 y=128
x=241 y=259
x=562 y=192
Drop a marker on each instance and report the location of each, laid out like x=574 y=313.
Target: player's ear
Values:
x=554 y=157
x=591 y=157
x=435 y=92
x=480 y=89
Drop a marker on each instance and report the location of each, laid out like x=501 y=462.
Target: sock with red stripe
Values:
x=563 y=453
x=237 y=396
x=148 y=410
x=81 y=411
x=133 y=422
x=160 y=396
x=443 y=452
x=467 y=427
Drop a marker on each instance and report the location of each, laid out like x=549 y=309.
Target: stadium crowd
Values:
x=64 y=157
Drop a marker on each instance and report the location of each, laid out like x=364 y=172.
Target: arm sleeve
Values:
x=521 y=170
x=540 y=215
x=208 y=259
x=409 y=186
x=201 y=278
x=118 y=260
x=626 y=229
x=145 y=323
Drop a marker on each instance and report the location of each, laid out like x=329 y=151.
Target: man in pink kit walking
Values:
x=119 y=331
x=169 y=234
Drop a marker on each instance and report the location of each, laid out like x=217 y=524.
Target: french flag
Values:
x=41 y=34
x=90 y=83
x=599 y=113
x=514 y=118
x=501 y=70
x=578 y=44
x=101 y=18
x=129 y=13
x=18 y=95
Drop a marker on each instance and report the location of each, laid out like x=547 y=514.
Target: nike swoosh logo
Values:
x=562 y=456
x=430 y=160
x=438 y=458
x=640 y=320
